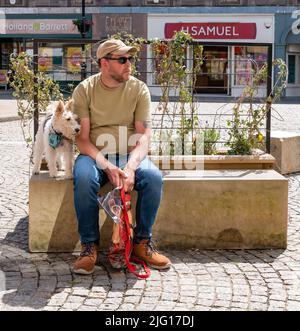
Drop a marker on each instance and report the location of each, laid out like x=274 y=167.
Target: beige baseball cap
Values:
x=114 y=46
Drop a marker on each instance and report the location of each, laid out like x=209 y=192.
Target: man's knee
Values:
x=85 y=172
x=153 y=177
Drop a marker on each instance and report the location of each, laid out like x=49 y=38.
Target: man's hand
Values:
x=128 y=183
x=115 y=175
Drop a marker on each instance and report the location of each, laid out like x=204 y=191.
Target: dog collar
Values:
x=54 y=140
x=57 y=133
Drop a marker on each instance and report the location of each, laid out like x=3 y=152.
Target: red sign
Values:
x=213 y=30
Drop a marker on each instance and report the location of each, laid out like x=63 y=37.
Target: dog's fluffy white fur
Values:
x=62 y=122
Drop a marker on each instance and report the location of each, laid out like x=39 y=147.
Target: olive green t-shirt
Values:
x=112 y=111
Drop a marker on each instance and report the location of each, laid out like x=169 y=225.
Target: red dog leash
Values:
x=128 y=243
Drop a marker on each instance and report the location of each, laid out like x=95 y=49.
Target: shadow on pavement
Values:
x=31 y=281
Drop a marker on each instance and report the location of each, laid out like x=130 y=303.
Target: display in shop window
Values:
x=248 y=61
x=74 y=59
x=3 y=76
x=45 y=60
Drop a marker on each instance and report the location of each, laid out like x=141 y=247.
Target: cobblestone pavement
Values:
x=198 y=279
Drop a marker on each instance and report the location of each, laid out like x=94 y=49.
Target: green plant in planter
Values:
x=211 y=136
x=245 y=129
x=26 y=84
x=173 y=75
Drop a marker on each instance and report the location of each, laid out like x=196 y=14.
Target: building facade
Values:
x=236 y=34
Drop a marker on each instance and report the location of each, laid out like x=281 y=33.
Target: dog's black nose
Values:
x=77 y=130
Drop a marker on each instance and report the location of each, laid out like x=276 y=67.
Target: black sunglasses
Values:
x=122 y=59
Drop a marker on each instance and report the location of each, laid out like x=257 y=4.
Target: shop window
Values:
x=45 y=59
x=73 y=59
x=38 y=3
x=215 y=62
x=227 y=2
x=58 y=3
x=270 y=2
x=248 y=60
x=292 y=69
x=77 y=3
x=6 y=49
x=213 y=74
x=156 y=3
x=18 y=3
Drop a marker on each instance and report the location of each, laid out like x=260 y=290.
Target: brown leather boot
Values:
x=85 y=263
x=146 y=252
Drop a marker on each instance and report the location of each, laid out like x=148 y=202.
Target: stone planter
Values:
x=285 y=147
x=238 y=202
x=218 y=209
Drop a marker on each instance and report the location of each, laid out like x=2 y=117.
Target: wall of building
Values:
x=287 y=47
x=146 y=3
x=110 y=17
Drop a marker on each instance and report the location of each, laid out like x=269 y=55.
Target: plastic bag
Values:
x=112 y=204
x=117 y=205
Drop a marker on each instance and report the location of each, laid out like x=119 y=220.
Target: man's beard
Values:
x=119 y=78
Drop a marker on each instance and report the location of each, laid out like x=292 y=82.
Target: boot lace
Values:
x=87 y=250
x=151 y=247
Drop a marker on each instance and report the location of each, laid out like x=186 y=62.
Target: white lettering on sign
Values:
x=47 y=26
x=213 y=30
x=53 y=27
x=296 y=23
x=210 y=31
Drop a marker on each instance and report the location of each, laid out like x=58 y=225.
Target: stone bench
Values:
x=285 y=147
x=212 y=209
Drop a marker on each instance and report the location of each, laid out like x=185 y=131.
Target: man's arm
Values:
x=142 y=147
x=138 y=153
x=83 y=141
x=115 y=175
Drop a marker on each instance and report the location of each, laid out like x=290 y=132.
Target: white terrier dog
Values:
x=55 y=138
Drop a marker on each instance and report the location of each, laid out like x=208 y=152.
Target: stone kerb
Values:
x=260 y=160
x=210 y=209
x=285 y=147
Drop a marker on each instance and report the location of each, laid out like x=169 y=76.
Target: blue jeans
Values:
x=89 y=178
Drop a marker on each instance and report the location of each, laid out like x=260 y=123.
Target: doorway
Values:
x=9 y=46
x=213 y=75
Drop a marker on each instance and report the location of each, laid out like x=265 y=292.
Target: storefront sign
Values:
x=115 y=24
x=110 y=24
x=228 y=30
x=37 y=26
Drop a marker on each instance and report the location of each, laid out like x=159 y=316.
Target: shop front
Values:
x=56 y=57
x=234 y=48
x=288 y=47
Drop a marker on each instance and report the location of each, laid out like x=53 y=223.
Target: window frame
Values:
x=297 y=68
